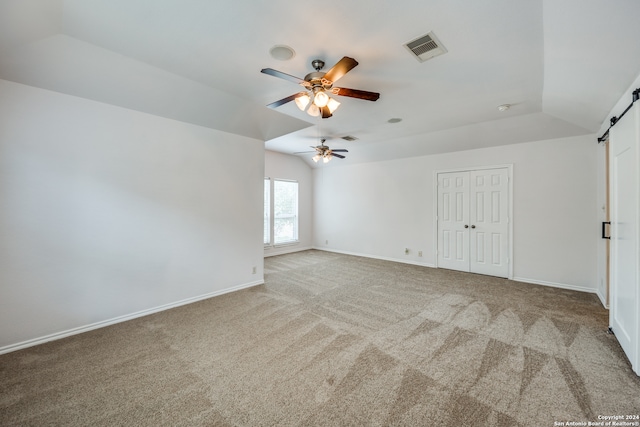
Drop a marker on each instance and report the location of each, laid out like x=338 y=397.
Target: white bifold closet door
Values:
x=473 y=221
x=624 y=188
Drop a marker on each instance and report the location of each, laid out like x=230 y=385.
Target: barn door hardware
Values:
x=604 y=230
x=613 y=120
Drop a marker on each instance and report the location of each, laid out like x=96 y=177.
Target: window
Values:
x=280 y=212
x=267 y=211
x=285 y=211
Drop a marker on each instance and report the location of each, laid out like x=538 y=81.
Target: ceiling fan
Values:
x=325 y=153
x=317 y=84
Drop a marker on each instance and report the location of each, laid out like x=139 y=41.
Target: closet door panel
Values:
x=489 y=229
x=453 y=215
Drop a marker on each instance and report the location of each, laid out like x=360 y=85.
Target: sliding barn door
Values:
x=473 y=221
x=624 y=202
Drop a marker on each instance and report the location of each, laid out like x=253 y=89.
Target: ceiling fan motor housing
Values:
x=316 y=80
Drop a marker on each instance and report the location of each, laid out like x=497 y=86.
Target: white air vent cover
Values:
x=425 y=47
x=349 y=138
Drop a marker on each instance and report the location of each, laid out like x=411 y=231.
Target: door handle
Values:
x=604 y=228
x=473 y=226
x=466 y=226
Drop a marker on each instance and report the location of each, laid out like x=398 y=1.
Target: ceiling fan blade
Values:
x=280 y=74
x=326 y=113
x=355 y=93
x=343 y=66
x=285 y=100
x=340 y=150
x=304 y=152
x=340 y=156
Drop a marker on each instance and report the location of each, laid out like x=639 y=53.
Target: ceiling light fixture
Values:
x=313 y=110
x=504 y=107
x=321 y=99
x=326 y=157
x=302 y=101
x=333 y=105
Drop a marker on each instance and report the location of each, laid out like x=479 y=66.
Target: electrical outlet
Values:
x=326 y=242
x=406 y=251
x=254 y=270
x=419 y=253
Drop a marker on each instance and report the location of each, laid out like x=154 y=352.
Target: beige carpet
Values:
x=335 y=340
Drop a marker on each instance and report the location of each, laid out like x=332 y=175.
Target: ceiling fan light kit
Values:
x=321 y=99
x=302 y=101
x=318 y=84
x=313 y=110
x=326 y=157
x=332 y=105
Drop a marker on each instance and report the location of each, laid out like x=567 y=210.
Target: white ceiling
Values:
x=561 y=64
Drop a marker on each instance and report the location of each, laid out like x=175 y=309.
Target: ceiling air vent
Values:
x=425 y=47
x=349 y=138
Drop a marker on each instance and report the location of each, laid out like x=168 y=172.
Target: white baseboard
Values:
x=603 y=300
x=400 y=260
x=556 y=285
x=75 y=331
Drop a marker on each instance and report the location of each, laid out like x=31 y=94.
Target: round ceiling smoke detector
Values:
x=282 y=52
x=504 y=107
x=394 y=120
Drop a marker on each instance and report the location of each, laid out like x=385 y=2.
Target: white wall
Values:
x=284 y=166
x=108 y=213
x=378 y=209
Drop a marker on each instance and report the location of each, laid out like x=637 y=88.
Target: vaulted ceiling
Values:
x=561 y=65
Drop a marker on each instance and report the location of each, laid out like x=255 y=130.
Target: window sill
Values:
x=282 y=245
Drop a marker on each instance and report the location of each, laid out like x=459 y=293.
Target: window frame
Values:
x=267 y=231
x=272 y=216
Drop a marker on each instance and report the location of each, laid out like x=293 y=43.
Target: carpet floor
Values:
x=336 y=340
